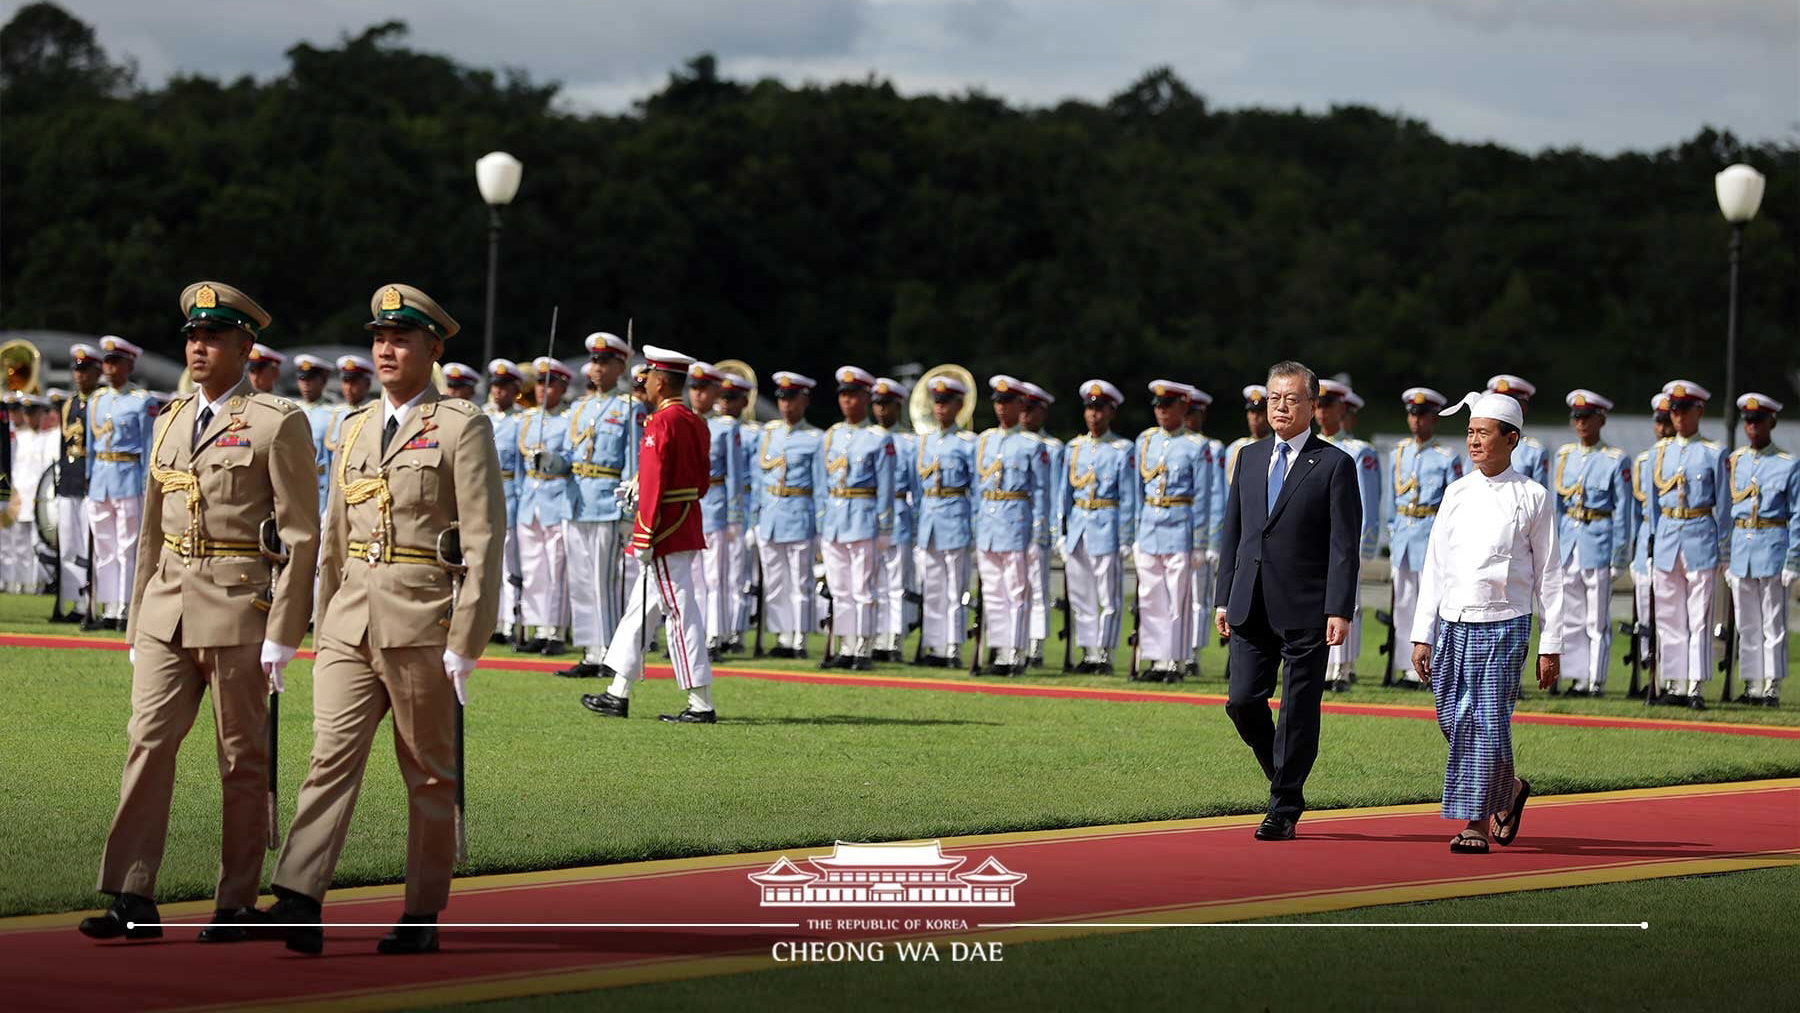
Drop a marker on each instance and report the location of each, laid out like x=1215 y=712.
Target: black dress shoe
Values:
x=533 y=646
x=581 y=670
x=1696 y=702
x=499 y=638
x=690 y=716
x=1771 y=700
x=832 y=661
x=90 y=624
x=1034 y=661
x=781 y=652
x=606 y=705
x=861 y=664
x=129 y=916
x=551 y=649
x=1340 y=685
x=734 y=646
x=297 y=909
x=414 y=934
x=232 y=925
x=1275 y=828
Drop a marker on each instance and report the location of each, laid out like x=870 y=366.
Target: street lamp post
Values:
x=497 y=176
x=1740 y=192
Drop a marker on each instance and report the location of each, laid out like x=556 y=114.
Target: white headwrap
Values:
x=1500 y=407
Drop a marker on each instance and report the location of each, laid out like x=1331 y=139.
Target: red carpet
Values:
x=1198 y=870
x=1000 y=687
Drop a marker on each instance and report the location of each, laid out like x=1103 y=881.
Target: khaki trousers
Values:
x=166 y=685
x=353 y=688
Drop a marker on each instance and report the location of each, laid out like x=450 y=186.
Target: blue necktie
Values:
x=1278 y=475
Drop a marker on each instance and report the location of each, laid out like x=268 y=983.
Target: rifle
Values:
x=1652 y=692
x=1137 y=622
x=518 y=585
x=1387 y=619
x=979 y=609
x=1729 y=661
x=1635 y=657
x=1067 y=639
x=762 y=605
x=269 y=543
x=830 y=624
x=450 y=557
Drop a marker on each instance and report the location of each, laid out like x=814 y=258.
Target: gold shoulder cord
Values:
x=1751 y=492
x=987 y=471
x=1162 y=465
x=576 y=439
x=524 y=424
x=1084 y=481
x=170 y=480
x=1412 y=482
x=1664 y=486
x=1572 y=491
x=768 y=463
x=919 y=464
x=364 y=488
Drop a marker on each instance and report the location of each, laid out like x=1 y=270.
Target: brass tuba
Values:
x=738 y=367
x=24 y=366
x=918 y=403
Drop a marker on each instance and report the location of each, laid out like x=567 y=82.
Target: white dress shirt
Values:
x=390 y=410
x=1293 y=453
x=1492 y=557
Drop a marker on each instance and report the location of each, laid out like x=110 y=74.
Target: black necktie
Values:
x=387 y=434
x=200 y=426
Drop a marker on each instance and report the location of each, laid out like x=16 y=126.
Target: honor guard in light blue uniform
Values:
x=1043 y=545
x=1662 y=427
x=1012 y=475
x=1592 y=486
x=943 y=471
x=787 y=456
x=1530 y=458
x=734 y=401
x=355 y=375
x=310 y=373
x=1689 y=505
x=546 y=502
x=1096 y=519
x=855 y=468
x=1172 y=475
x=505 y=379
x=896 y=587
x=1329 y=413
x=1765 y=549
x=1210 y=516
x=1419 y=470
x=602 y=442
x=119 y=417
x=722 y=500
x=264 y=367
x=460 y=380
x=1256 y=420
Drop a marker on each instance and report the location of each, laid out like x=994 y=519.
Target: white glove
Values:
x=131 y=656
x=1788 y=577
x=458 y=668
x=1212 y=557
x=626 y=490
x=275 y=657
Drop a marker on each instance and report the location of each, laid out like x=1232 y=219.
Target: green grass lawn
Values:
x=1714 y=942
x=790 y=765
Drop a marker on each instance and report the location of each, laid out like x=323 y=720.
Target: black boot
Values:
x=232 y=925
x=297 y=909
x=414 y=934
x=129 y=916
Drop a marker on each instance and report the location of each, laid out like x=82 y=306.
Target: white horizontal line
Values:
x=1314 y=925
x=480 y=925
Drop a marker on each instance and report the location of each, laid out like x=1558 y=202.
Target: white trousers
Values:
x=788 y=587
x=943 y=580
x=1761 y=608
x=1199 y=600
x=741 y=551
x=509 y=591
x=1006 y=587
x=719 y=591
x=850 y=575
x=1164 y=592
x=1406 y=609
x=1095 y=585
x=72 y=547
x=896 y=577
x=1587 y=625
x=1037 y=563
x=1640 y=594
x=115 y=527
x=665 y=588
x=19 y=572
x=1684 y=639
x=596 y=583
x=542 y=559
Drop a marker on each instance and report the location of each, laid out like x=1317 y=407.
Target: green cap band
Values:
x=406 y=316
x=223 y=314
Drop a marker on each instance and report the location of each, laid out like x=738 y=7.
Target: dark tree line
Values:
x=799 y=228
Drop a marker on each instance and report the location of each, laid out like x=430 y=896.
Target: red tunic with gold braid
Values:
x=673 y=470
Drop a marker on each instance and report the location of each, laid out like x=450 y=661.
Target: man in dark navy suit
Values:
x=1286 y=586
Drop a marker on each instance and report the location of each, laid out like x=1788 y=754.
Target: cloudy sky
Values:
x=1601 y=74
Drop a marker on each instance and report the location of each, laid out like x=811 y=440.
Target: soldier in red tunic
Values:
x=673 y=470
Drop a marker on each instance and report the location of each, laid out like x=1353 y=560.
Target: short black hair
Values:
x=1507 y=428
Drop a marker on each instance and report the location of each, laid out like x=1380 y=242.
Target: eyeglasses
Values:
x=1288 y=400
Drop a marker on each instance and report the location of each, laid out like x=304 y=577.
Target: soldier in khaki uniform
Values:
x=411 y=465
x=205 y=615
